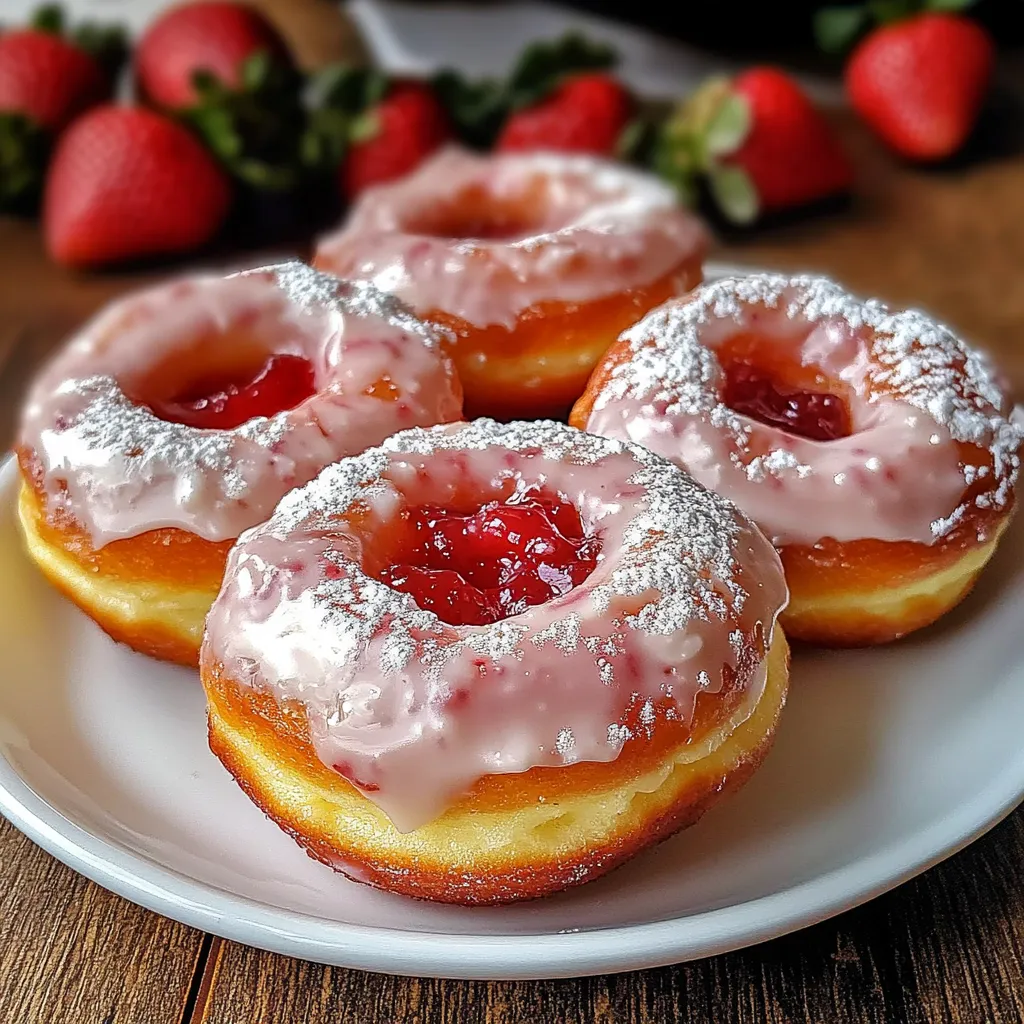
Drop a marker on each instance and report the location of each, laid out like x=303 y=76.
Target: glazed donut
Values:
x=532 y=262
x=484 y=662
x=181 y=415
x=874 y=447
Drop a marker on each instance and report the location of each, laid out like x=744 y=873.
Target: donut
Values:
x=181 y=415
x=874 y=447
x=484 y=662
x=532 y=263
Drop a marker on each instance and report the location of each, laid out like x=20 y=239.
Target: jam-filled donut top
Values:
x=631 y=591
x=483 y=238
x=200 y=403
x=819 y=414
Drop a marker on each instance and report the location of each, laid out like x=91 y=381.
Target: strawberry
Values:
x=214 y=36
x=790 y=153
x=126 y=182
x=920 y=83
x=480 y=108
x=47 y=79
x=759 y=141
x=393 y=137
x=584 y=114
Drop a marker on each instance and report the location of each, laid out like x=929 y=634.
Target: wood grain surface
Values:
x=71 y=952
x=945 y=947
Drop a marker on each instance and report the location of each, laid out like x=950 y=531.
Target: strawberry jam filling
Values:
x=227 y=401
x=752 y=392
x=477 y=568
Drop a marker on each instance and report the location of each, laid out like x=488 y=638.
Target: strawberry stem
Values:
x=255 y=130
x=106 y=44
x=478 y=109
x=24 y=151
x=837 y=28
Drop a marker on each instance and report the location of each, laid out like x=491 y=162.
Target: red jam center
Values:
x=224 y=402
x=496 y=562
x=815 y=415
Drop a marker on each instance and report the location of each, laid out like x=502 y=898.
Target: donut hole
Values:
x=765 y=382
x=477 y=565
x=477 y=213
x=221 y=379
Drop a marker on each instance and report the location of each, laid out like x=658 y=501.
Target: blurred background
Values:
x=877 y=142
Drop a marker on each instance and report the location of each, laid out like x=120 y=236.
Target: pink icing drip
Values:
x=120 y=471
x=604 y=228
x=415 y=710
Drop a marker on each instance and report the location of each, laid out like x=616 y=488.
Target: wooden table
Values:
x=947 y=946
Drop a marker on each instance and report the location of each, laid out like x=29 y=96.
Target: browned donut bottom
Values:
x=151 y=592
x=513 y=837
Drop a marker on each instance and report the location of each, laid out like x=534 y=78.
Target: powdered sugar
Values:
x=899 y=366
x=679 y=572
x=120 y=470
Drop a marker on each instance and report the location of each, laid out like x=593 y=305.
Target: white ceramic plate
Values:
x=886 y=762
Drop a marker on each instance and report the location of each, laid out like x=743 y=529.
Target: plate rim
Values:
x=520 y=956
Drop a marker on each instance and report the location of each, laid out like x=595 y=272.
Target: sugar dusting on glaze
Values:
x=915 y=387
x=120 y=471
x=414 y=710
x=604 y=228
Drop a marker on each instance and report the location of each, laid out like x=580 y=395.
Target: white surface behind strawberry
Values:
x=475 y=39
x=485 y=39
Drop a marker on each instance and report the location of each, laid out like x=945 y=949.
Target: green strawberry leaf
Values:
x=208 y=86
x=636 y=141
x=728 y=127
x=734 y=193
x=220 y=131
x=339 y=102
x=835 y=28
x=107 y=44
x=256 y=70
x=258 y=131
x=48 y=18
x=24 y=153
x=346 y=88
x=264 y=176
x=324 y=141
x=364 y=127
x=475 y=109
x=885 y=11
x=677 y=155
x=951 y=6
x=543 y=65
x=478 y=109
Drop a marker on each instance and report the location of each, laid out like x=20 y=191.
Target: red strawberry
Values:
x=47 y=79
x=127 y=182
x=394 y=137
x=760 y=142
x=585 y=114
x=920 y=83
x=209 y=35
x=790 y=153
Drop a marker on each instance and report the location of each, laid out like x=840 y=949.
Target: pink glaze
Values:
x=413 y=710
x=600 y=228
x=120 y=471
x=916 y=390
